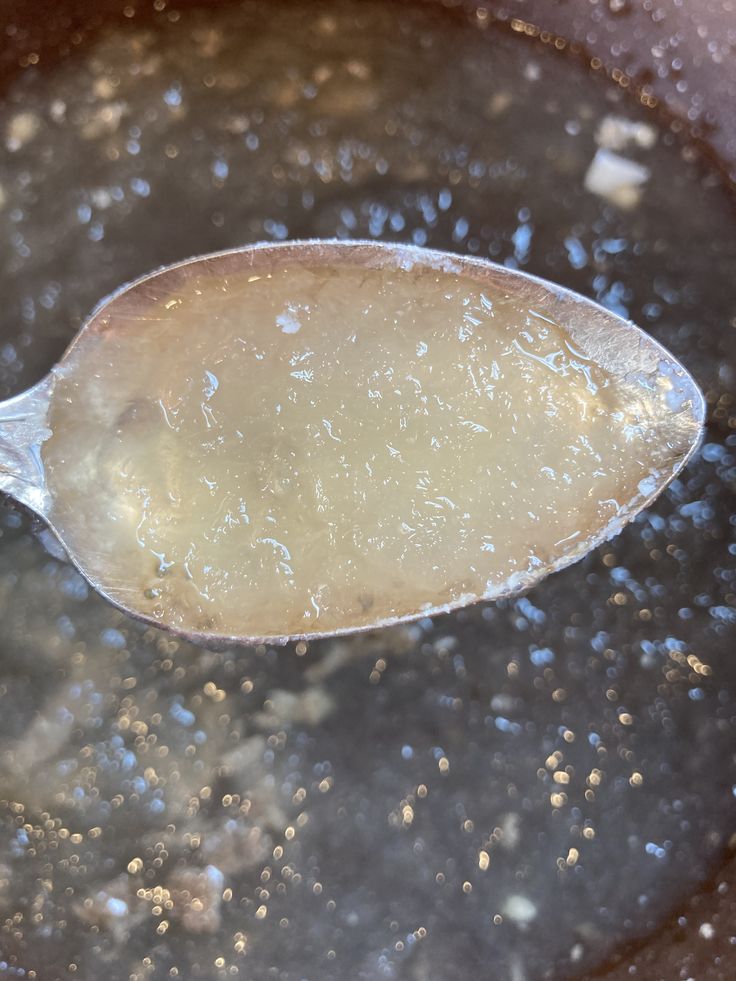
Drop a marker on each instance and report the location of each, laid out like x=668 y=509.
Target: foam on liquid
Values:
x=323 y=448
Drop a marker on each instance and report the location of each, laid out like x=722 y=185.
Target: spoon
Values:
x=305 y=439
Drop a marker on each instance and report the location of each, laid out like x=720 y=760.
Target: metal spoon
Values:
x=620 y=347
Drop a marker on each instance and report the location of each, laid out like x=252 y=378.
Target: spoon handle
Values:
x=23 y=428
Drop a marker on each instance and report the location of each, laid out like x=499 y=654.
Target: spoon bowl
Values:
x=519 y=375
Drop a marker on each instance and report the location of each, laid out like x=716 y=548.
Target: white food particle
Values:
x=503 y=702
x=706 y=931
x=21 y=129
x=116 y=907
x=516 y=968
x=510 y=830
x=617 y=133
x=101 y=198
x=57 y=110
x=196 y=897
x=309 y=707
x=520 y=910
x=616 y=178
x=215 y=877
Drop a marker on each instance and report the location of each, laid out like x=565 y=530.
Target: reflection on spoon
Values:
x=314 y=438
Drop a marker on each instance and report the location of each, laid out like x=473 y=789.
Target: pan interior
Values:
x=526 y=785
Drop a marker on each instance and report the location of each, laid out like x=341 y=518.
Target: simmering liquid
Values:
x=317 y=448
x=517 y=790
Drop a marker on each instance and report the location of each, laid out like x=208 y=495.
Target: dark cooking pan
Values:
x=545 y=788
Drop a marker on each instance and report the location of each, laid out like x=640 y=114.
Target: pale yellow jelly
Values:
x=318 y=448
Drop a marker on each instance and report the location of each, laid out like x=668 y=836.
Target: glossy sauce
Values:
x=320 y=448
